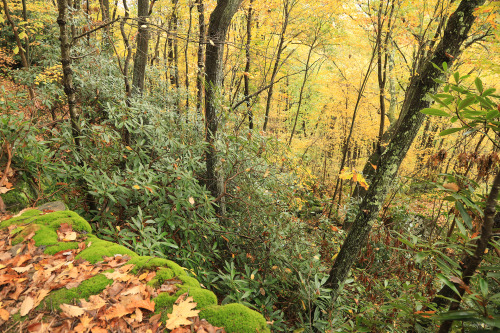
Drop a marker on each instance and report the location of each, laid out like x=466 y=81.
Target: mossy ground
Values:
x=234 y=317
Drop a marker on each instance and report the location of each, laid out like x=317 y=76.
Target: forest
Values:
x=333 y=165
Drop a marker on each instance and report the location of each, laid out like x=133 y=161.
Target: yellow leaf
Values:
x=137 y=187
x=181 y=312
x=128 y=147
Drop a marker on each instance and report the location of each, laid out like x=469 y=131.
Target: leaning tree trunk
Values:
x=141 y=54
x=220 y=19
x=420 y=85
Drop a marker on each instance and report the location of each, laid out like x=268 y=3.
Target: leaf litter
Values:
x=27 y=276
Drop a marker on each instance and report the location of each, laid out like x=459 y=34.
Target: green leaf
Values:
x=483 y=285
x=447 y=282
x=488 y=92
x=23 y=35
x=466 y=102
x=16 y=50
x=456 y=75
x=450 y=131
x=461 y=315
x=465 y=216
x=479 y=85
x=445 y=66
x=435 y=112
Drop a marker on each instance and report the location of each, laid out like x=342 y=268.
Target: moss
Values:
x=93 y=286
x=15 y=200
x=62 y=246
x=162 y=275
x=203 y=297
x=235 y=318
x=146 y=263
x=100 y=248
x=164 y=302
x=150 y=263
x=53 y=220
x=189 y=281
x=22 y=233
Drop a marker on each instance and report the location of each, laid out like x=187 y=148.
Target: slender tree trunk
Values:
x=281 y=47
x=246 y=75
x=173 y=53
x=301 y=94
x=420 y=85
x=22 y=54
x=62 y=21
x=26 y=39
x=220 y=19
x=200 y=77
x=141 y=53
x=186 y=53
x=472 y=261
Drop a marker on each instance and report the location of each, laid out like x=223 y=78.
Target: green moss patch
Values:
x=235 y=318
x=99 y=248
x=52 y=220
x=93 y=286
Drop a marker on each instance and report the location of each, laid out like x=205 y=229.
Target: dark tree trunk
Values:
x=420 y=85
x=220 y=19
x=246 y=76
x=141 y=53
x=200 y=77
x=69 y=90
x=173 y=50
x=22 y=54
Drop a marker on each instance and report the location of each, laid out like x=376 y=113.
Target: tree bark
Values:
x=200 y=77
x=420 y=85
x=22 y=54
x=471 y=262
x=69 y=89
x=281 y=47
x=246 y=75
x=220 y=19
x=141 y=53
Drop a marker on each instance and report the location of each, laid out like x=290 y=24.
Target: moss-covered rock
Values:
x=235 y=318
x=92 y=286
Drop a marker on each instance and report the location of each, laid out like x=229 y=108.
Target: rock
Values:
x=53 y=206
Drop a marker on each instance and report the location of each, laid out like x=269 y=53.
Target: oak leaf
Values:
x=181 y=312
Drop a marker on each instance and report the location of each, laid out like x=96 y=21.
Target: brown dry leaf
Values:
x=116 y=311
x=27 y=306
x=97 y=329
x=4 y=314
x=144 y=304
x=41 y=294
x=181 y=312
x=451 y=186
x=4 y=189
x=132 y=291
x=138 y=315
x=71 y=310
x=95 y=303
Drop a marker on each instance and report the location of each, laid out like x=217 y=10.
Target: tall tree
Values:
x=201 y=56
x=287 y=9
x=248 y=63
x=219 y=22
x=141 y=53
x=448 y=49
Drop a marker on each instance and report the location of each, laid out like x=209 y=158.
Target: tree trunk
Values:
x=186 y=53
x=220 y=19
x=246 y=75
x=281 y=47
x=420 y=85
x=22 y=54
x=201 y=57
x=472 y=261
x=69 y=90
x=141 y=53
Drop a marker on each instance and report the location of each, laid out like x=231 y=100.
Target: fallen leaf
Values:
x=181 y=312
x=71 y=310
x=26 y=306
